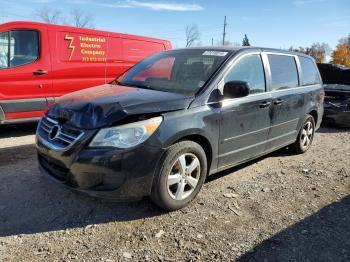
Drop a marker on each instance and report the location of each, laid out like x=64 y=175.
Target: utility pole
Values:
x=224 y=34
x=212 y=41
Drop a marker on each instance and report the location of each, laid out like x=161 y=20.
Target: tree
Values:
x=53 y=16
x=346 y=41
x=50 y=16
x=192 y=34
x=319 y=51
x=245 y=41
x=300 y=49
x=81 y=19
x=341 y=55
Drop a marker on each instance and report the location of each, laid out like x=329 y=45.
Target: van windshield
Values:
x=178 y=71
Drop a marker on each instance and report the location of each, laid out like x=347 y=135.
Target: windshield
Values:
x=179 y=71
x=337 y=87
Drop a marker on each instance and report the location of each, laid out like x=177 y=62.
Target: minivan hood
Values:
x=105 y=105
x=334 y=74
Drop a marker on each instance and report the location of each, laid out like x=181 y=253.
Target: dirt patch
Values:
x=280 y=207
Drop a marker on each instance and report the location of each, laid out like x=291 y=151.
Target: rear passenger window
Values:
x=284 y=72
x=310 y=72
x=250 y=70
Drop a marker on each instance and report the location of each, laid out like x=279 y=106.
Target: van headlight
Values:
x=128 y=135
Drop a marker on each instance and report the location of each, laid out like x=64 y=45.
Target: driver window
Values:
x=24 y=47
x=18 y=47
x=249 y=69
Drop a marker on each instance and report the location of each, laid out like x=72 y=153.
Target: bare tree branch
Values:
x=192 y=34
x=54 y=16
x=50 y=16
x=81 y=19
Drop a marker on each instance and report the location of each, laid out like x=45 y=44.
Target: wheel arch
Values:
x=200 y=138
x=314 y=114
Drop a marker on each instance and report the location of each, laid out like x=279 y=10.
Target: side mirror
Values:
x=236 y=89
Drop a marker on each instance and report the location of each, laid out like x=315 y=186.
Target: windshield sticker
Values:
x=215 y=53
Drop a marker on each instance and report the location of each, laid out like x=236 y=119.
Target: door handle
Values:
x=278 y=102
x=265 y=104
x=40 y=72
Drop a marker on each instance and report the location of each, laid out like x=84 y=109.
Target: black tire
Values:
x=300 y=146
x=162 y=194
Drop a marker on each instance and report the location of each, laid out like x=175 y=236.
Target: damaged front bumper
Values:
x=109 y=173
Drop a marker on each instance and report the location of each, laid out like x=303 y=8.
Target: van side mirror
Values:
x=236 y=89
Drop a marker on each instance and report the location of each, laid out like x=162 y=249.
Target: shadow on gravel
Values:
x=323 y=236
x=17 y=130
x=12 y=155
x=31 y=203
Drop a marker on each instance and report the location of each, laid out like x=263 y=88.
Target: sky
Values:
x=276 y=24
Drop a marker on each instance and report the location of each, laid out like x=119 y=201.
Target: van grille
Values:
x=56 y=136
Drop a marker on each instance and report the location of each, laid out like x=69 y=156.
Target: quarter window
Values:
x=284 y=72
x=310 y=72
x=18 y=47
x=250 y=70
x=4 y=50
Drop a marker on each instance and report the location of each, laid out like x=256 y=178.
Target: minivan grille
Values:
x=56 y=136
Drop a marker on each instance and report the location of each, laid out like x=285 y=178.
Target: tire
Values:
x=175 y=175
x=305 y=136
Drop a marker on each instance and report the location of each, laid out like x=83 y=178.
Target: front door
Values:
x=245 y=122
x=25 y=67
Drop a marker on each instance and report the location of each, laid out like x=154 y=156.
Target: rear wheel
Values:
x=181 y=176
x=305 y=137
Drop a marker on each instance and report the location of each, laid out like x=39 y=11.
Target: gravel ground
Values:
x=280 y=207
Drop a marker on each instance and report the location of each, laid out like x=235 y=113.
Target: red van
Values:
x=39 y=62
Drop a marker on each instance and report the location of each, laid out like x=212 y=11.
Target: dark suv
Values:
x=177 y=117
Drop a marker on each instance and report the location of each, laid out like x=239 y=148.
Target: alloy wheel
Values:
x=184 y=176
x=307 y=135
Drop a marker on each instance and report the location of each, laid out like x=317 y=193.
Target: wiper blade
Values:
x=133 y=85
x=144 y=87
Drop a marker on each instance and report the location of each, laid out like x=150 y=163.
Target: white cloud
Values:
x=43 y=1
x=79 y=2
x=299 y=3
x=304 y=2
x=157 y=6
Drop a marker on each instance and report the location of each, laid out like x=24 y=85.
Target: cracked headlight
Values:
x=128 y=135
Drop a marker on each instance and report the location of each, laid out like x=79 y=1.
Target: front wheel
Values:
x=305 y=137
x=181 y=176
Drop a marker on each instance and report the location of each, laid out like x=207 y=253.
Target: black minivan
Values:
x=174 y=118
